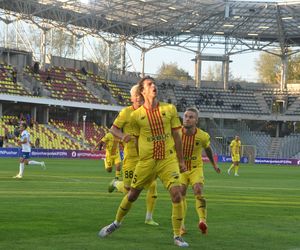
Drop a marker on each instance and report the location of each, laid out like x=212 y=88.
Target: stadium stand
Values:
x=217 y=101
x=289 y=97
x=93 y=132
x=61 y=85
x=119 y=91
x=289 y=146
x=9 y=82
x=49 y=138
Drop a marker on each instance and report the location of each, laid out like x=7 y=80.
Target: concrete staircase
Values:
x=57 y=131
x=262 y=103
x=274 y=147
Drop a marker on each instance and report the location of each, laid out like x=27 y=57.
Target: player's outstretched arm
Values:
x=210 y=155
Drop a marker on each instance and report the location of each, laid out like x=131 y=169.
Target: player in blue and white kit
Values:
x=26 y=150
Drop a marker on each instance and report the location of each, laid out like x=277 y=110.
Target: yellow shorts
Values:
x=129 y=164
x=110 y=161
x=235 y=158
x=147 y=170
x=193 y=176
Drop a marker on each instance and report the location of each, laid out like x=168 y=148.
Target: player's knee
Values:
x=176 y=194
x=109 y=170
x=133 y=195
x=197 y=190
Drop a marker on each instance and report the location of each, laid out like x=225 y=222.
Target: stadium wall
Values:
x=54 y=153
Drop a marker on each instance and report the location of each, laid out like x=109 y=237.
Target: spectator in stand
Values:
x=1 y=141
x=14 y=76
x=36 y=68
x=37 y=143
x=232 y=88
x=28 y=119
x=48 y=79
x=83 y=71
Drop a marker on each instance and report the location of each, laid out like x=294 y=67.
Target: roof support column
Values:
x=198 y=64
x=109 y=60
x=143 y=61
x=284 y=71
x=7 y=22
x=76 y=116
x=45 y=115
x=43 y=47
x=82 y=47
x=225 y=72
x=225 y=65
x=33 y=113
x=198 y=70
x=123 y=56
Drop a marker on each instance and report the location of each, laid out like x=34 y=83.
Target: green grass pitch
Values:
x=64 y=207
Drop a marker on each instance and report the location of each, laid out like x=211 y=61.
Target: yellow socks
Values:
x=151 y=198
x=123 y=209
x=184 y=207
x=118 y=174
x=201 y=207
x=177 y=215
x=236 y=169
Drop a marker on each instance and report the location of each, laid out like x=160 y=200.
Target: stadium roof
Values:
x=251 y=24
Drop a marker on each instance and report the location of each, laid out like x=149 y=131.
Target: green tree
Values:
x=294 y=68
x=269 y=68
x=172 y=71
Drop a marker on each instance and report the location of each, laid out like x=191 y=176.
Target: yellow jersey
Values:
x=235 y=147
x=193 y=146
x=154 y=129
x=123 y=121
x=111 y=144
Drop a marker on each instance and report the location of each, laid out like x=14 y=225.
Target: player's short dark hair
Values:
x=23 y=124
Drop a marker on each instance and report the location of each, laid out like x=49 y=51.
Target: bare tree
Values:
x=172 y=71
